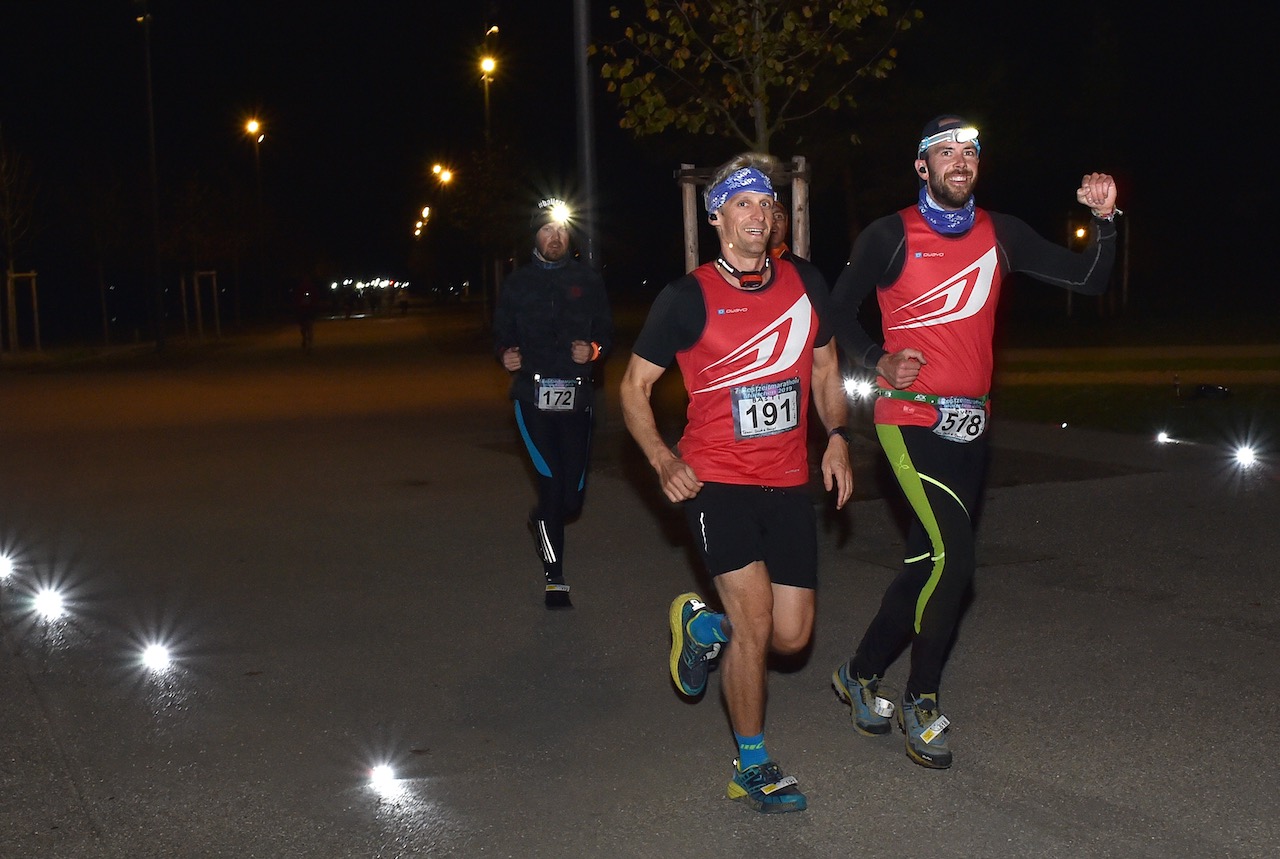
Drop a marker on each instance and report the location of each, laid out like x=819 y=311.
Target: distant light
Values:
x=1245 y=456
x=426 y=211
x=488 y=64
x=6 y=567
x=446 y=176
x=1164 y=438
x=1079 y=232
x=49 y=604
x=156 y=657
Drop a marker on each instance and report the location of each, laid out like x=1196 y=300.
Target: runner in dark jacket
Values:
x=551 y=326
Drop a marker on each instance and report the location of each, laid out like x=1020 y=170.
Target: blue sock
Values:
x=751 y=750
x=708 y=628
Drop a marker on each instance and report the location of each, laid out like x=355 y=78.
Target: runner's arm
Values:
x=875 y=260
x=832 y=405
x=678 y=481
x=1087 y=272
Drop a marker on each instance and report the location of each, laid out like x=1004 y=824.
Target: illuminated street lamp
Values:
x=487 y=67
x=254 y=128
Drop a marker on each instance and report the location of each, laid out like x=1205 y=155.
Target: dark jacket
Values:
x=542 y=309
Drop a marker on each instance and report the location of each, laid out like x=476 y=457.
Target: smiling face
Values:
x=951 y=172
x=744 y=223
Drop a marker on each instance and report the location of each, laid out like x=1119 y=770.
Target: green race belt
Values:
x=932 y=399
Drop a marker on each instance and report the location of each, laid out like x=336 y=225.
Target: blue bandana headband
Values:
x=746 y=179
x=945 y=221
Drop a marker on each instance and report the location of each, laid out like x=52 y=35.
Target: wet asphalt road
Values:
x=333 y=545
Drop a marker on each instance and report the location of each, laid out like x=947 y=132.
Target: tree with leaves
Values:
x=747 y=69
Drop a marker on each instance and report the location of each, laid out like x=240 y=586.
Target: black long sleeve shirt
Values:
x=878 y=256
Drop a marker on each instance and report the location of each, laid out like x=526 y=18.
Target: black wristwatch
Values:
x=843 y=432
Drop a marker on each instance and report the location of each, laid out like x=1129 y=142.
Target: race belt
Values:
x=960 y=419
x=932 y=399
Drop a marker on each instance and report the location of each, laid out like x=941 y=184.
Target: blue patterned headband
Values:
x=746 y=179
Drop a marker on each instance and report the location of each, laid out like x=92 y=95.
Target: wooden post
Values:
x=800 y=206
x=689 y=201
x=195 y=297
x=35 y=309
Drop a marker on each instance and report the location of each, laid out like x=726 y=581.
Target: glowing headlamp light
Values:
x=966 y=134
x=555 y=210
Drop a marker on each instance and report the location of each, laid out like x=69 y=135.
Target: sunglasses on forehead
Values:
x=967 y=134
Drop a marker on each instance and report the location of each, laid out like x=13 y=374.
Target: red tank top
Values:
x=944 y=304
x=748 y=382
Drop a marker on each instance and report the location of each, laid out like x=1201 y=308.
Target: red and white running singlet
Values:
x=944 y=304
x=748 y=379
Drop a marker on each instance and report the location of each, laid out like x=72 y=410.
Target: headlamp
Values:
x=560 y=213
x=551 y=210
x=964 y=134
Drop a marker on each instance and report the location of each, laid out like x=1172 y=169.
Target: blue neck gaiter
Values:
x=944 y=221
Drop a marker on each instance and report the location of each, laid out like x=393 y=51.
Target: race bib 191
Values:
x=768 y=409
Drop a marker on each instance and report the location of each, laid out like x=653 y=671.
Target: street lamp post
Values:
x=144 y=18
x=487 y=67
x=253 y=128
x=256 y=132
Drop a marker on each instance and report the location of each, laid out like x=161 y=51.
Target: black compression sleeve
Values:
x=1026 y=251
x=876 y=260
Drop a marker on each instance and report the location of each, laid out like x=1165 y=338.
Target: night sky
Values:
x=359 y=99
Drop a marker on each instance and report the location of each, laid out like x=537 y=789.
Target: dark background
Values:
x=359 y=100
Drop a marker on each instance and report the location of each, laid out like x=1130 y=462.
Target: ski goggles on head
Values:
x=962 y=134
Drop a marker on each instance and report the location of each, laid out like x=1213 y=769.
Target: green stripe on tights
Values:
x=912 y=483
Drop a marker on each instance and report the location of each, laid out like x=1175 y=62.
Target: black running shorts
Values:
x=734 y=526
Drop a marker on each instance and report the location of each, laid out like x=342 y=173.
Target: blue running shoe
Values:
x=922 y=721
x=689 y=659
x=866 y=707
x=766 y=789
